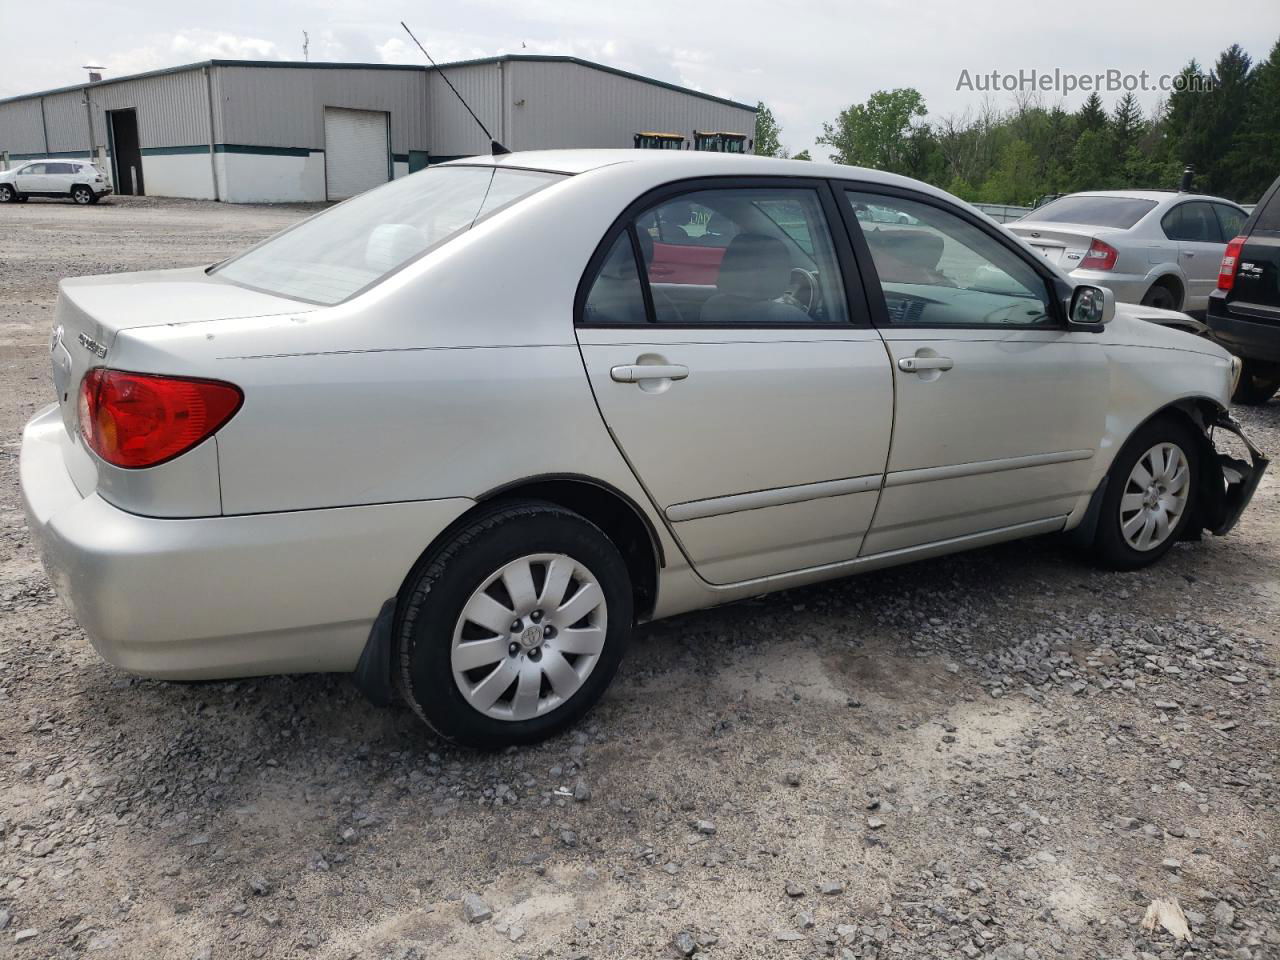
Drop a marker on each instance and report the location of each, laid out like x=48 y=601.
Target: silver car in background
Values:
x=1152 y=247
x=459 y=434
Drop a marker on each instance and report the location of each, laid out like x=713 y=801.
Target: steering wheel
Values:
x=803 y=291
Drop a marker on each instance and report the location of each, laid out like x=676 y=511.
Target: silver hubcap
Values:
x=529 y=637
x=1155 y=496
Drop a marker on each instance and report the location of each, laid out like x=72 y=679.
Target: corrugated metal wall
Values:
x=173 y=109
x=569 y=105
x=21 y=130
x=451 y=131
x=284 y=107
x=67 y=122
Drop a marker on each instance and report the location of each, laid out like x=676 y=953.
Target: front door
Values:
x=31 y=178
x=750 y=396
x=1000 y=408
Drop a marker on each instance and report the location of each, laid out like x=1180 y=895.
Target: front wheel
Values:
x=1151 y=490
x=7 y=193
x=82 y=195
x=513 y=629
x=1258 y=383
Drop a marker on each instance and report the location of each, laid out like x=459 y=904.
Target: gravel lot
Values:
x=1004 y=753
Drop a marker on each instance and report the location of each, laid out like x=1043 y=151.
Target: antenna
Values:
x=306 y=46
x=494 y=146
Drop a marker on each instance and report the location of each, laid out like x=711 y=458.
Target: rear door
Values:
x=1000 y=408
x=1195 y=227
x=756 y=406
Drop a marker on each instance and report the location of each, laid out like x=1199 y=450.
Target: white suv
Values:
x=78 y=179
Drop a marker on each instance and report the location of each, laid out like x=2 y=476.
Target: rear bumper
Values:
x=1251 y=339
x=219 y=597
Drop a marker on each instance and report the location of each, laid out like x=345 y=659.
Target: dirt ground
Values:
x=1005 y=753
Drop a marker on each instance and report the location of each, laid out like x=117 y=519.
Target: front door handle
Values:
x=638 y=372
x=916 y=364
x=1188 y=253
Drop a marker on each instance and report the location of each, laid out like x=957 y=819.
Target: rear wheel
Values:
x=82 y=195
x=1151 y=491
x=1161 y=296
x=1258 y=383
x=513 y=629
x=7 y=193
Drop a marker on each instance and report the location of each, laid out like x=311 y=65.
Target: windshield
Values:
x=1119 y=212
x=340 y=252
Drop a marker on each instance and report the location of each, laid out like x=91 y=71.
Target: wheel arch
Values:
x=1175 y=282
x=615 y=513
x=1198 y=414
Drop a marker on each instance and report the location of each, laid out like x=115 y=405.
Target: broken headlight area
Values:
x=1228 y=481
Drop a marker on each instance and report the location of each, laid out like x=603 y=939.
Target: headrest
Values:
x=391 y=244
x=755 y=267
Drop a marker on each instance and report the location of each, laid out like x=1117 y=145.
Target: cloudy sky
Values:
x=807 y=59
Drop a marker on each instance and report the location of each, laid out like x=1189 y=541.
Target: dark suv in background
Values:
x=1244 y=312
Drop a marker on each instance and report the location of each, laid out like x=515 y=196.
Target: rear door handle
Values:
x=637 y=372
x=916 y=364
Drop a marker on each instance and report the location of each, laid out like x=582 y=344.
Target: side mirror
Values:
x=1092 y=308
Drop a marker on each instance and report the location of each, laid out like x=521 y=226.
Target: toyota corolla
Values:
x=459 y=434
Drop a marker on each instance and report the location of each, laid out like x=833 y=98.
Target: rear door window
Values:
x=1193 y=222
x=1230 y=220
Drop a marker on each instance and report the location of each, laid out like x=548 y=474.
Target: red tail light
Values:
x=1230 y=263
x=140 y=420
x=1101 y=256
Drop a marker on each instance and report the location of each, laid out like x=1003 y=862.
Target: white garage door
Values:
x=355 y=151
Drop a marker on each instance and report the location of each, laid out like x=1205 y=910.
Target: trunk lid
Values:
x=91 y=311
x=1062 y=244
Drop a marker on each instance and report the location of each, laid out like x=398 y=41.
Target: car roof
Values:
x=1159 y=196
x=56 y=160
x=695 y=162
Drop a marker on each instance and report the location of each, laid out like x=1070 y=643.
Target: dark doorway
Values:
x=126 y=156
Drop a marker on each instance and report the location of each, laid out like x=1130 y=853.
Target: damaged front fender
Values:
x=1228 y=482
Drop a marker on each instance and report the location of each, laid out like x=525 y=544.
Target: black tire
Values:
x=7 y=193
x=1162 y=296
x=443 y=583
x=1110 y=547
x=82 y=195
x=1258 y=383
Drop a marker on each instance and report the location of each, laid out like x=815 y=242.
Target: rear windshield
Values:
x=1118 y=212
x=340 y=252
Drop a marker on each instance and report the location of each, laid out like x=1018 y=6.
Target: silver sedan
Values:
x=459 y=434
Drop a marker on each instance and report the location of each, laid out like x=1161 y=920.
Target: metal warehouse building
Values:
x=245 y=131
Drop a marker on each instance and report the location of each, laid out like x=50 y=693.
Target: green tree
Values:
x=876 y=133
x=1092 y=162
x=802 y=155
x=768 y=133
x=1091 y=115
x=1015 y=179
x=1254 y=158
x=1127 y=125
